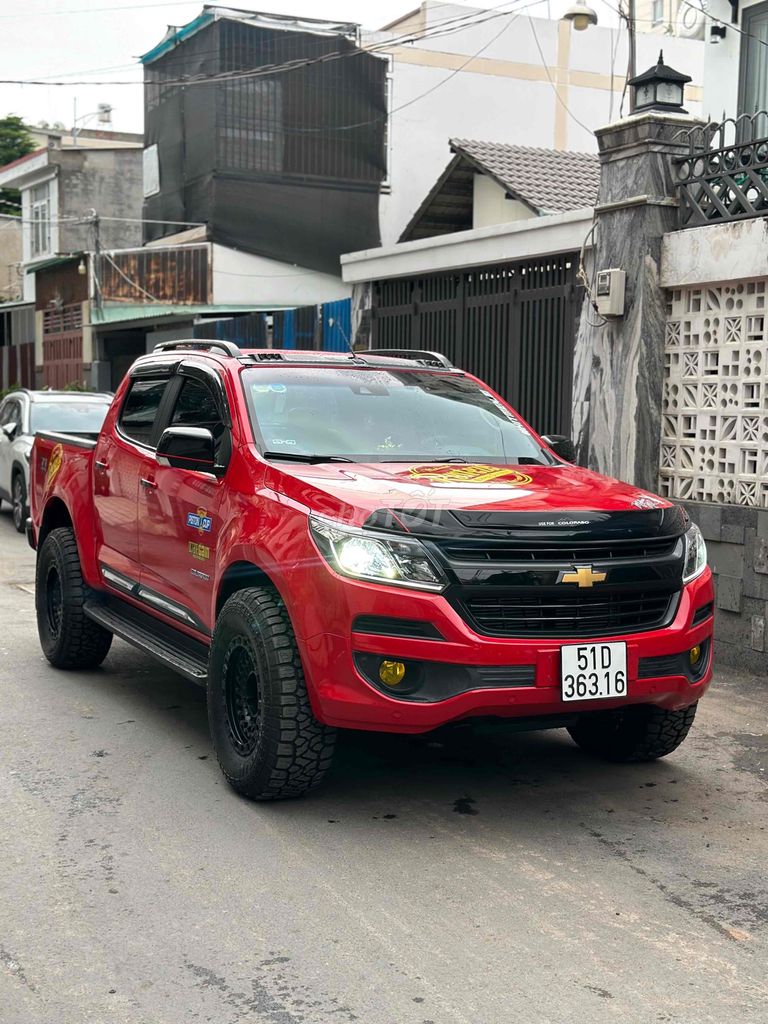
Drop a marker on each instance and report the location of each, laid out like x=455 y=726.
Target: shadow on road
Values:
x=469 y=770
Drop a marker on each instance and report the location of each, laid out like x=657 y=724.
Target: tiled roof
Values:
x=549 y=180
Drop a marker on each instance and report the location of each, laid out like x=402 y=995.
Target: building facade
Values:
x=735 y=74
x=66 y=182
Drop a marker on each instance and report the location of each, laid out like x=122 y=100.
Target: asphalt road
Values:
x=482 y=879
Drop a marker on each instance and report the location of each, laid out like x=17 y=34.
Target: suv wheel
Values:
x=268 y=742
x=19 y=502
x=638 y=733
x=69 y=639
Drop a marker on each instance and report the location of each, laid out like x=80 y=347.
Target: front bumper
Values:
x=342 y=697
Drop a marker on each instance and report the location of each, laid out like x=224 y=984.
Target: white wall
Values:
x=504 y=94
x=241 y=279
x=721 y=64
x=715 y=252
x=491 y=206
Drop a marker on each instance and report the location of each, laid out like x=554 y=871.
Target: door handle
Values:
x=149 y=485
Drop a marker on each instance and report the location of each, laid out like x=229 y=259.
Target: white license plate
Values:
x=594 y=671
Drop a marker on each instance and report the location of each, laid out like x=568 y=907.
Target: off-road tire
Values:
x=641 y=732
x=19 y=501
x=69 y=639
x=269 y=744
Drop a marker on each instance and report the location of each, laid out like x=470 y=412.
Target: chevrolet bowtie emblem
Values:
x=583 y=576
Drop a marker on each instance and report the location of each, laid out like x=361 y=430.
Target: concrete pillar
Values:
x=619 y=365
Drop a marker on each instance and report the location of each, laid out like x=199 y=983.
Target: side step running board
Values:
x=173 y=648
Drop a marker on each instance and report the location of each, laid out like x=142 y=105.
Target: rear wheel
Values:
x=19 y=502
x=69 y=639
x=269 y=744
x=641 y=732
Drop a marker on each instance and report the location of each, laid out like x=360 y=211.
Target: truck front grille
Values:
x=529 y=614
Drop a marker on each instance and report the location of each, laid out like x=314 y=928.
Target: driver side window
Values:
x=197 y=407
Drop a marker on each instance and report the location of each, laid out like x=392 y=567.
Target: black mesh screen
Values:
x=247 y=156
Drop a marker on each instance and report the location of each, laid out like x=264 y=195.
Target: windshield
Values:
x=68 y=417
x=383 y=416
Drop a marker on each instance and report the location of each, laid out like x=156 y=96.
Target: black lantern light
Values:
x=659 y=88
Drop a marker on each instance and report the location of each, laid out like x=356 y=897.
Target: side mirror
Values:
x=562 y=446
x=189 y=448
x=9 y=429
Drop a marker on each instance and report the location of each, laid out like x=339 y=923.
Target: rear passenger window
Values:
x=139 y=412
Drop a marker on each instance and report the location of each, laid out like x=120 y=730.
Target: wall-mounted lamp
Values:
x=81 y=268
x=716 y=33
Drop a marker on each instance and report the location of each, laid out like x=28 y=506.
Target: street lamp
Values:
x=103 y=111
x=659 y=88
x=580 y=16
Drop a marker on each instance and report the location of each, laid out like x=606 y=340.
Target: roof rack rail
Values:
x=417 y=355
x=201 y=345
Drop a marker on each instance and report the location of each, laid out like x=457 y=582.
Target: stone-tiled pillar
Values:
x=619 y=365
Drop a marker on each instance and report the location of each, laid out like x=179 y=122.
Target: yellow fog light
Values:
x=695 y=654
x=391 y=673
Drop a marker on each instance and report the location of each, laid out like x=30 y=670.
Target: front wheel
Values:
x=268 y=743
x=641 y=732
x=19 y=502
x=69 y=639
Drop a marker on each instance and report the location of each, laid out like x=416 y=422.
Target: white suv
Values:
x=25 y=413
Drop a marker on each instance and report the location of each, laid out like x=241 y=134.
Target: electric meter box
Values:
x=610 y=292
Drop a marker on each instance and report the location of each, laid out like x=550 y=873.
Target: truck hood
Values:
x=353 y=491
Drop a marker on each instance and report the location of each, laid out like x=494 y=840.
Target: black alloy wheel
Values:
x=69 y=639
x=268 y=742
x=241 y=693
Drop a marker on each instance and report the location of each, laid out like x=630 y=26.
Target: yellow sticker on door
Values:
x=200 y=552
x=54 y=464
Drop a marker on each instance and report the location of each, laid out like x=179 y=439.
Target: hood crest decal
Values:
x=473 y=473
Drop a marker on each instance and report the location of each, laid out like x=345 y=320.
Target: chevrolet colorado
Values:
x=368 y=541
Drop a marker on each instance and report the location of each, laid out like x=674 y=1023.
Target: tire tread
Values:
x=85 y=644
x=300 y=747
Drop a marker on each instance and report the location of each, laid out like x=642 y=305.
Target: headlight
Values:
x=401 y=561
x=695 y=554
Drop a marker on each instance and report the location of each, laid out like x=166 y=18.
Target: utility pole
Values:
x=97 y=297
x=632 y=39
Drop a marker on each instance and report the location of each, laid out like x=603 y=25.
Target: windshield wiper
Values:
x=311 y=459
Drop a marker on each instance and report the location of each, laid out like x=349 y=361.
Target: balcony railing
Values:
x=724 y=175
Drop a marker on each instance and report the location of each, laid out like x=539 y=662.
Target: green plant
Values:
x=15 y=142
x=7 y=391
x=75 y=385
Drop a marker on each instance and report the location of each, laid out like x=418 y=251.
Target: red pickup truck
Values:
x=369 y=541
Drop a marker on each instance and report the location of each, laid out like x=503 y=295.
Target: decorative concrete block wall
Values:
x=737 y=542
x=714 y=428
x=714 y=448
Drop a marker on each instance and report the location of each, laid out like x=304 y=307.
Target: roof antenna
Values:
x=330 y=321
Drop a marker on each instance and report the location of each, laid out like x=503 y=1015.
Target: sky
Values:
x=100 y=40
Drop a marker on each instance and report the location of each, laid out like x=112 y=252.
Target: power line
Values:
x=133 y=284
x=558 y=97
x=448 y=26
x=97 y=10
x=512 y=14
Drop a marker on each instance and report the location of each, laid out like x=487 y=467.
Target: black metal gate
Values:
x=511 y=324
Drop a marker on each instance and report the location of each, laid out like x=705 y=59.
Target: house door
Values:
x=753 y=71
